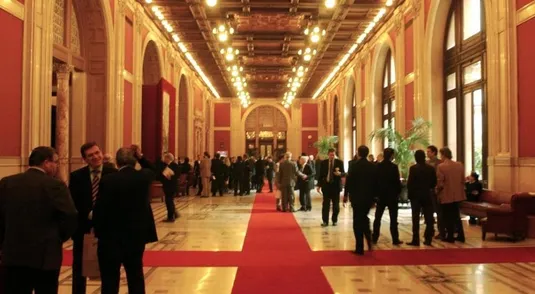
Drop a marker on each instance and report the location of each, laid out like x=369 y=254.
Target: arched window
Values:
x=388 y=93
x=354 y=123
x=464 y=85
x=336 y=123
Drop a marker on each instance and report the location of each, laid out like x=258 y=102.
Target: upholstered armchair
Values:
x=511 y=220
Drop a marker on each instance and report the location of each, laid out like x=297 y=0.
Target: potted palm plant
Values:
x=403 y=145
x=324 y=144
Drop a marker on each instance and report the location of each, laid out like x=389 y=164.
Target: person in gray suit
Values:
x=286 y=178
x=37 y=214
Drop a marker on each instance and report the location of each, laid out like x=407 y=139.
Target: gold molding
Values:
x=525 y=13
x=409 y=78
x=222 y=129
x=14 y=161
x=13 y=7
x=128 y=76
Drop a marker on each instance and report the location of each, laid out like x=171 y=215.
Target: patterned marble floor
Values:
x=220 y=224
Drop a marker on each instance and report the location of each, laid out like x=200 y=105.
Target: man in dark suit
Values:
x=270 y=170
x=286 y=179
x=218 y=175
x=346 y=191
x=421 y=184
x=169 y=173
x=388 y=192
x=36 y=216
x=362 y=184
x=330 y=182
x=260 y=170
x=124 y=222
x=84 y=186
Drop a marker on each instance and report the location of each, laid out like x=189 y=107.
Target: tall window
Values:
x=388 y=94
x=465 y=75
x=354 y=123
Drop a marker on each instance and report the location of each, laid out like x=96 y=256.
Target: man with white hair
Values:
x=303 y=183
x=286 y=178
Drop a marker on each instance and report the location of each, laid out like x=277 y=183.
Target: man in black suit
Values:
x=388 y=192
x=361 y=183
x=37 y=215
x=169 y=173
x=260 y=170
x=218 y=175
x=421 y=184
x=270 y=171
x=330 y=182
x=124 y=222
x=346 y=191
x=84 y=186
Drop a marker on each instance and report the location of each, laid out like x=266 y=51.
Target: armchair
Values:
x=510 y=220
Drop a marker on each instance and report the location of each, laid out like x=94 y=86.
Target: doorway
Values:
x=265 y=132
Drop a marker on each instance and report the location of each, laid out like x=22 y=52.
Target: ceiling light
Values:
x=182 y=47
x=211 y=3
x=154 y=9
x=330 y=3
x=148 y=1
x=223 y=37
x=389 y=3
x=176 y=38
x=314 y=38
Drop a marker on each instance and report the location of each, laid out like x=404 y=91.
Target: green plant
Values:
x=324 y=144
x=403 y=146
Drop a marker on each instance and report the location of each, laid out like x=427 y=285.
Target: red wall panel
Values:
x=307 y=144
x=127 y=114
x=526 y=96
x=310 y=115
x=112 y=6
x=128 y=46
x=222 y=141
x=522 y=3
x=427 y=7
x=221 y=114
x=409 y=53
x=409 y=105
x=11 y=30
x=151 y=123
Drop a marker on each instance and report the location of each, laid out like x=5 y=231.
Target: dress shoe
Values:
x=302 y=209
x=324 y=224
x=335 y=224
x=413 y=243
x=358 y=252
x=398 y=242
x=460 y=239
x=169 y=220
x=427 y=243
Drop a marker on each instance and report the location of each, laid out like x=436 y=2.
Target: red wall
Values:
x=522 y=3
x=11 y=30
x=151 y=123
x=127 y=114
x=128 y=46
x=310 y=115
x=526 y=96
x=222 y=141
x=427 y=7
x=221 y=114
x=409 y=54
x=409 y=105
x=308 y=144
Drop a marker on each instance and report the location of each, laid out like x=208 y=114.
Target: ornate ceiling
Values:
x=268 y=35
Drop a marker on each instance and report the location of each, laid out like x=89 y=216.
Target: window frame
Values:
x=456 y=59
x=388 y=93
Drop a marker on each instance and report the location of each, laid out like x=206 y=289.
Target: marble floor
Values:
x=220 y=224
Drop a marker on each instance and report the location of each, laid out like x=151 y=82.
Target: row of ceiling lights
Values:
x=169 y=28
x=359 y=41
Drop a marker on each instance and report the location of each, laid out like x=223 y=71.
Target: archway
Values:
x=151 y=123
x=266 y=129
x=336 y=123
x=80 y=80
x=183 y=93
x=349 y=136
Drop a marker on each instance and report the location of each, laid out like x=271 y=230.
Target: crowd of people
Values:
x=110 y=202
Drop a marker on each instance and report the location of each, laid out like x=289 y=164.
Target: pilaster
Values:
x=63 y=72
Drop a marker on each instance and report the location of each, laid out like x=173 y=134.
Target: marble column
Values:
x=63 y=72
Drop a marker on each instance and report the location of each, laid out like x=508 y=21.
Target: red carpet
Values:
x=277 y=256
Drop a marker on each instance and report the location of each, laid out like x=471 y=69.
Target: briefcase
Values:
x=90 y=267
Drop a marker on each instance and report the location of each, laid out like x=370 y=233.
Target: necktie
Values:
x=94 y=185
x=329 y=175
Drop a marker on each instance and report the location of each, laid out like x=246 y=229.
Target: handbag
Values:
x=90 y=266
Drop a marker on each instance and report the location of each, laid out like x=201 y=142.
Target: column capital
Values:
x=121 y=7
x=398 y=22
x=139 y=20
x=416 y=5
x=63 y=68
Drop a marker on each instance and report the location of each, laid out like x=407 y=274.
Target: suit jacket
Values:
x=270 y=169
x=206 y=168
x=336 y=181
x=169 y=185
x=362 y=181
x=346 y=190
x=122 y=211
x=450 y=182
x=260 y=167
x=37 y=215
x=304 y=184
x=313 y=176
x=422 y=180
x=389 y=182
x=218 y=168
x=287 y=174
x=81 y=193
